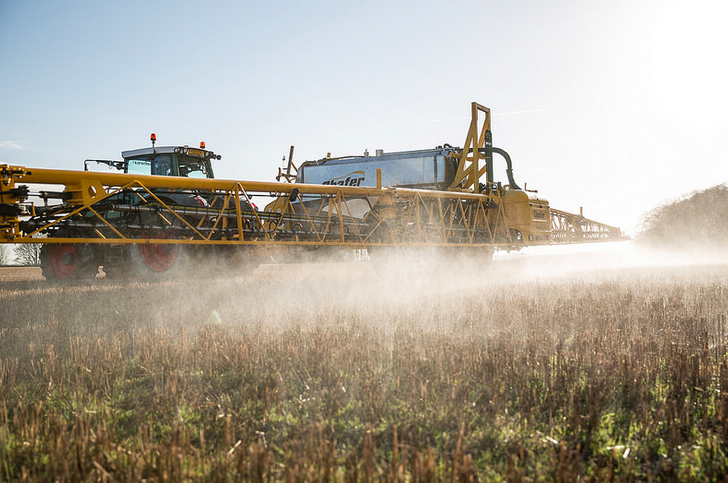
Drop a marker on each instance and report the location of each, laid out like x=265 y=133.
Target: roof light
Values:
x=153 y=138
x=202 y=144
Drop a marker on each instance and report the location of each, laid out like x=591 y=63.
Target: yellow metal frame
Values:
x=469 y=171
x=414 y=217
x=567 y=228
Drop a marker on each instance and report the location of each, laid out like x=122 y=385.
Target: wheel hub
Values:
x=159 y=257
x=63 y=260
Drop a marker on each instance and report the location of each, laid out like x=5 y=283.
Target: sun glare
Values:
x=687 y=71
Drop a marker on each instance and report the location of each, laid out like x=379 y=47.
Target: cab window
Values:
x=162 y=165
x=193 y=167
x=139 y=166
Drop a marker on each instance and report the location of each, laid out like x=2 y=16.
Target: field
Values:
x=511 y=372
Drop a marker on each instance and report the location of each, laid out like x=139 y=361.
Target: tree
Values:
x=28 y=254
x=697 y=220
x=5 y=257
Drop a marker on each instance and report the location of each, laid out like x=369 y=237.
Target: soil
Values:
x=20 y=274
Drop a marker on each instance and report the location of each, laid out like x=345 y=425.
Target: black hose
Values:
x=509 y=170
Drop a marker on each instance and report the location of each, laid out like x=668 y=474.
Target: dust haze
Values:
x=679 y=241
x=421 y=289
x=401 y=293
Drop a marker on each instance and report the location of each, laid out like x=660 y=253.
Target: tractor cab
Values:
x=178 y=161
x=170 y=161
x=182 y=161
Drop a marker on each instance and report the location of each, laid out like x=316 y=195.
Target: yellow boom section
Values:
x=121 y=208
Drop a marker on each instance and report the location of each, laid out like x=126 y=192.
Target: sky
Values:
x=615 y=106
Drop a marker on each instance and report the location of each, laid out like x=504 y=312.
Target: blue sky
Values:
x=614 y=105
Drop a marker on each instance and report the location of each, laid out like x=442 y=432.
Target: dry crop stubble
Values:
x=619 y=374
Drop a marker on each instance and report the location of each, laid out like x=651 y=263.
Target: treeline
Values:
x=697 y=221
x=27 y=255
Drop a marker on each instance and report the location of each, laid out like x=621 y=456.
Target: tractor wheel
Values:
x=67 y=261
x=158 y=261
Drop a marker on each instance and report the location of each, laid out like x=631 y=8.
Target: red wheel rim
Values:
x=159 y=257
x=63 y=260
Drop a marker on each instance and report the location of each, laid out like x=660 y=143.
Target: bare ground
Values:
x=20 y=274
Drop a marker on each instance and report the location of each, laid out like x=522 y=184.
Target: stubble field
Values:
x=332 y=373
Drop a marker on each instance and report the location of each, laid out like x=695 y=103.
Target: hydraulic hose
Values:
x=509 y=165
x=509 y=169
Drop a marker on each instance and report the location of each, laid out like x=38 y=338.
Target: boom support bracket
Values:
x=469 y=171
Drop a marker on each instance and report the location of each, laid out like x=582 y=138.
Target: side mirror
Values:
x=294 y=195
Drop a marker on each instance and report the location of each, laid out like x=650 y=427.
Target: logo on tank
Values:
x=354 y=178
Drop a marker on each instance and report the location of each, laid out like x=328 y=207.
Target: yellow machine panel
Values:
x=529 y=215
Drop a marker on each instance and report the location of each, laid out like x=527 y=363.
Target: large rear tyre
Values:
x=158 y=261
x=67 y=261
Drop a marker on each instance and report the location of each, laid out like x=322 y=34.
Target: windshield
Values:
x=159 y=165
x=194 y=167
x=139 y=166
